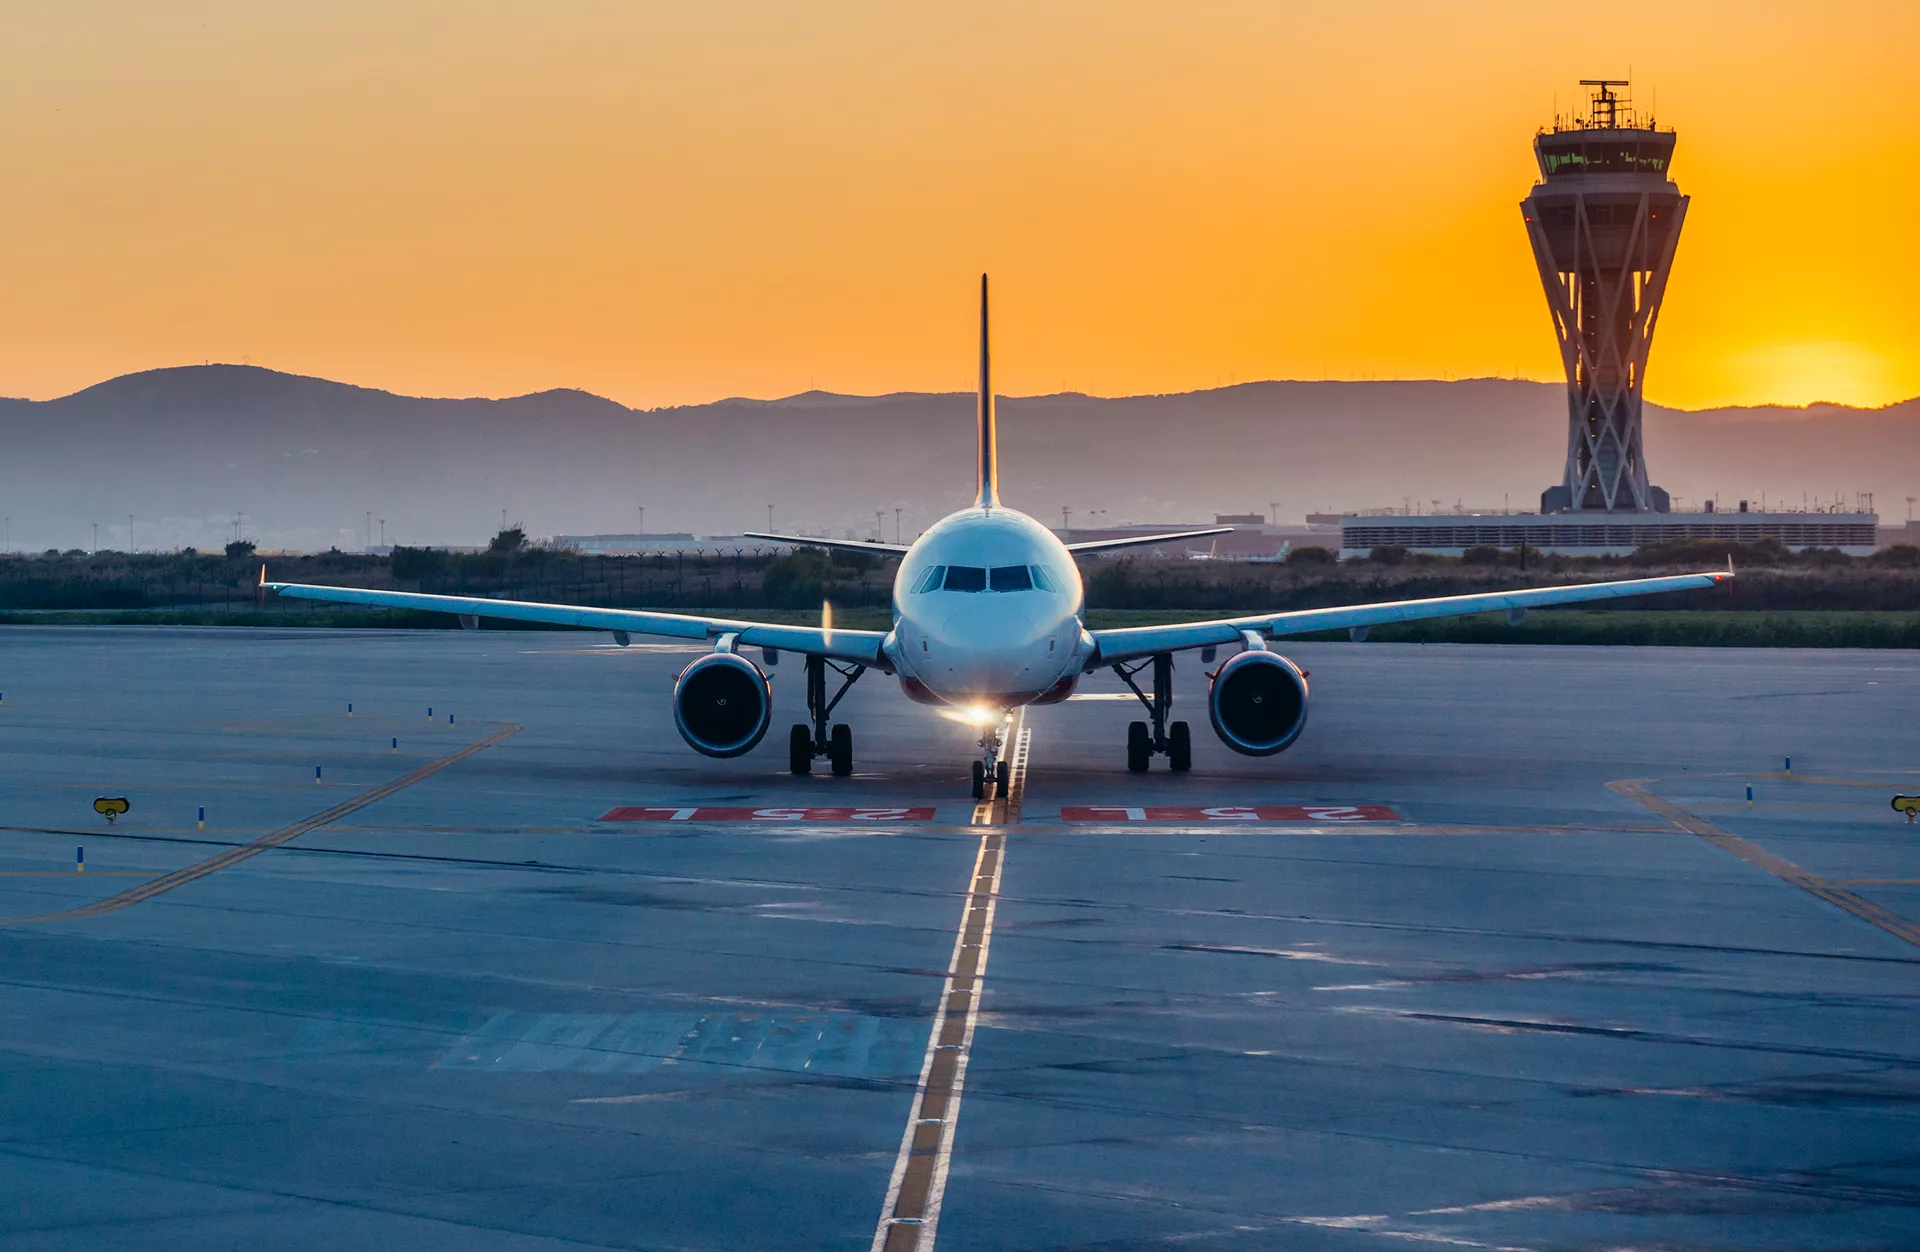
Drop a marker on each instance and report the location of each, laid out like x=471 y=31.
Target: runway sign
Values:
x=667 y=813
x=1164 y=813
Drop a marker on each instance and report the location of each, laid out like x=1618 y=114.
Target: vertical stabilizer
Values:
x=989 y=496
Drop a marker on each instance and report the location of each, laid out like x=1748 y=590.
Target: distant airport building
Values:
x=1604 y=221
x=1603 y=534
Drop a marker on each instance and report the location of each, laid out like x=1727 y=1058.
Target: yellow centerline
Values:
x=910 y=1215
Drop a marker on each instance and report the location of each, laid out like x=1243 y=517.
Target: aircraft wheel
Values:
x=840 y=750
x=1003 y=776
x=979 y=781
x=800 y=749
x=1139 y=747
x=1179 y=747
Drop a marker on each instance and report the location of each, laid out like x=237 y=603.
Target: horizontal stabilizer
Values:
x=1141 y=541
x=844 y=545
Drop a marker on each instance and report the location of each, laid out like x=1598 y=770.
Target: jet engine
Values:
x=722 y=704
x=1258 y=703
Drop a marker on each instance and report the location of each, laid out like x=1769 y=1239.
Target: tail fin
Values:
x=989 y=496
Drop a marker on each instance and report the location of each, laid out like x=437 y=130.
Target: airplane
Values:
x=989 y=616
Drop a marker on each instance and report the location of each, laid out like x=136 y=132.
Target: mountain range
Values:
x=306 y=463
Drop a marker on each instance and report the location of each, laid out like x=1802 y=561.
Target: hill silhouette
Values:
x=302 y=458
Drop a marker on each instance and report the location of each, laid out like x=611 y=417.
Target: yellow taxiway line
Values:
x=234 y=855
x=1786 y=871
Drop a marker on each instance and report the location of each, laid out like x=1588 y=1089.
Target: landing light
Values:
x=973 y=714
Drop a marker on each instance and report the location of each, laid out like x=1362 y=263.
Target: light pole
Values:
x=643 y=521
x=1273 y=511
x=96 y=538
x=896 y=521
x=769 y=517
x=130 y=548
x=369 y=528
x=1066 y=524
x=879 y=526
x=383 y=532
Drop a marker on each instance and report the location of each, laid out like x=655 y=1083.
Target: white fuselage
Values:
x=986 y=612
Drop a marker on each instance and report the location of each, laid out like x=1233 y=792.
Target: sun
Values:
x=1832 y=371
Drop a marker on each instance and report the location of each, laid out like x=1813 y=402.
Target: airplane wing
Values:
x=1141 y=541
x=1133 y=642
x=845 y=545
x=862 y=647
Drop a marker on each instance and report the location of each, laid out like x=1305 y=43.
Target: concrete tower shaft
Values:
x=1604 y=220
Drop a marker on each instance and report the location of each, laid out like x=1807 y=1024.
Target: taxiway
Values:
x=1497 y=956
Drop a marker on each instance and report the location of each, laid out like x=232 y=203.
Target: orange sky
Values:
x=668 y=203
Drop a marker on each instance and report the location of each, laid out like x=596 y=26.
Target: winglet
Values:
x=989 y=469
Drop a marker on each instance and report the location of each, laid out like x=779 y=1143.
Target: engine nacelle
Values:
x=1258 y=703
x=722 y=704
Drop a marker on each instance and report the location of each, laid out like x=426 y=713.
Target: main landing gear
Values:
x=805 y=742
x=991 y=767
x=1144 y=741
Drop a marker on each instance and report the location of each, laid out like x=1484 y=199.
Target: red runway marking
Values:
x=692 y=813
x=1230 y=813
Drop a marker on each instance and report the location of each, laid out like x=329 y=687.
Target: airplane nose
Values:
x=986 y=650
x=980 y=628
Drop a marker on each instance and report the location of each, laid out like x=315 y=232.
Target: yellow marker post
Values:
x=111 y=807
x=1910 y=805
x=80 y=859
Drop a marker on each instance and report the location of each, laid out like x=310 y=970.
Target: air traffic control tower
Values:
x=1604 y=220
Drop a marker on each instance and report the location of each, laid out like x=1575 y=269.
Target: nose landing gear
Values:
x=1144 y=741
x=991 y=767
x=806 y=742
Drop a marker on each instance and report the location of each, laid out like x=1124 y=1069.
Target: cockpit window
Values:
x=974 y=578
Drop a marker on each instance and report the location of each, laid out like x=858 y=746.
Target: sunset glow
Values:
x=667 y=204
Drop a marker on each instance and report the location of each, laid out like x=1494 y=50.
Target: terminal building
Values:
x=1604 y=534
x=1604 y=220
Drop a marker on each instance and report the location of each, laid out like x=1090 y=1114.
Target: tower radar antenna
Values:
x=1608 y=105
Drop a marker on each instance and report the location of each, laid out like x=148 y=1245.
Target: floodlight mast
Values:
x=1604 y=221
